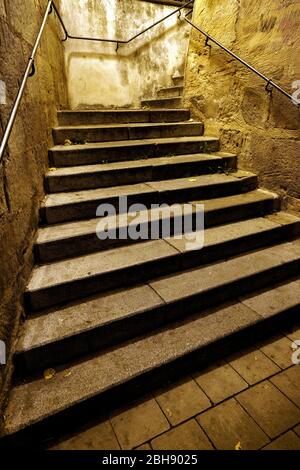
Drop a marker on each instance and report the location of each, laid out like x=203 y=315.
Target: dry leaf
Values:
x=67 y=374
x=68 y=142
x=49 y=374
x=192 y=180
x=52 y=169
x=238 y=446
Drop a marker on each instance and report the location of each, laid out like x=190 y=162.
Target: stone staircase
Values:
x=117 y=317
x=168 y=97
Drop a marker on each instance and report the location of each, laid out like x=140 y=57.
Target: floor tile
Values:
x=99 y=437
x=254 y=366
x=293 y=333
x=288 y=383
x=297 y=430
x=279 y=350
x=144 y=447
x=288 y=441
x=182 y=401
x=187 y=436
x=228 y=424
x=220 y=381
x=273 y=412
x=139 y=423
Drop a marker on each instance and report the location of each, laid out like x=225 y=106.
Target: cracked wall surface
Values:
x=22 y=171
x=100 y=77
x=262 y=128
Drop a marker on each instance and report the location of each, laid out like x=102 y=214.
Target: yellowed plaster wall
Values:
x=263 y=129
x=24 y=165
x=98 y=76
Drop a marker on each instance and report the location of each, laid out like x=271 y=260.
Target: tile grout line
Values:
x=283 y=393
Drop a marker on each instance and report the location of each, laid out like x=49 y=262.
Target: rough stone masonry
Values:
x=21 y=173
x=262 y=128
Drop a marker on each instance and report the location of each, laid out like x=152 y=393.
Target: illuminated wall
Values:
x=263 y=129
x=100 y=77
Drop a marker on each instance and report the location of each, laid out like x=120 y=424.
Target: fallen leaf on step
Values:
x=49 y=374
x=67 y=142
x=192 y=180
x=68 y=374
x=238 y=446
x=52 y=169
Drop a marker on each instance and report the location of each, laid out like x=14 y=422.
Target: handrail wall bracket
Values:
x=270 y=85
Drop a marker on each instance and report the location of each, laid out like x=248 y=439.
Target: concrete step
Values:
x=115 y=132
x=67 y=280
x=178 y=80
x=63 y=207
x=136 y=171
x=61 y=156
x=109 y=116
x=175 y=3
x=104 y=320
x=57 y=242
x=170 y=92
x=162 y=103
x=40 y=408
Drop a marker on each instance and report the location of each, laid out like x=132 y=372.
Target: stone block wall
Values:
x=262 y=128
x=21 y=172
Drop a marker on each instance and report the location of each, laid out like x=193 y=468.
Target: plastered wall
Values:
x=100 y=77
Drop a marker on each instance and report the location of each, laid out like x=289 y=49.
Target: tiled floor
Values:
x=247 y=401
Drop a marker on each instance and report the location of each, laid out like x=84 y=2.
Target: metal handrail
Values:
x=30 y=69
x=124 y=41
x=29 y=72
x=270 y=84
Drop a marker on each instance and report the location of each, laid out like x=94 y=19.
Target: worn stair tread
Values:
x=87 y=266
x=176 y=99
x=120 y=110
x=123 y=115
x=60 y=323
x=57 y=232
x=170 y=92
x=182 y=285
x=120 y=132
x=131 y=143
x=110 y=261
x=178 y=80
x=163 y=99
x=174 y=87
x=103 y=175
x=32 y=402
x=145 y=162
x=75 y=197
x=142 y=125
x=256 y=195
